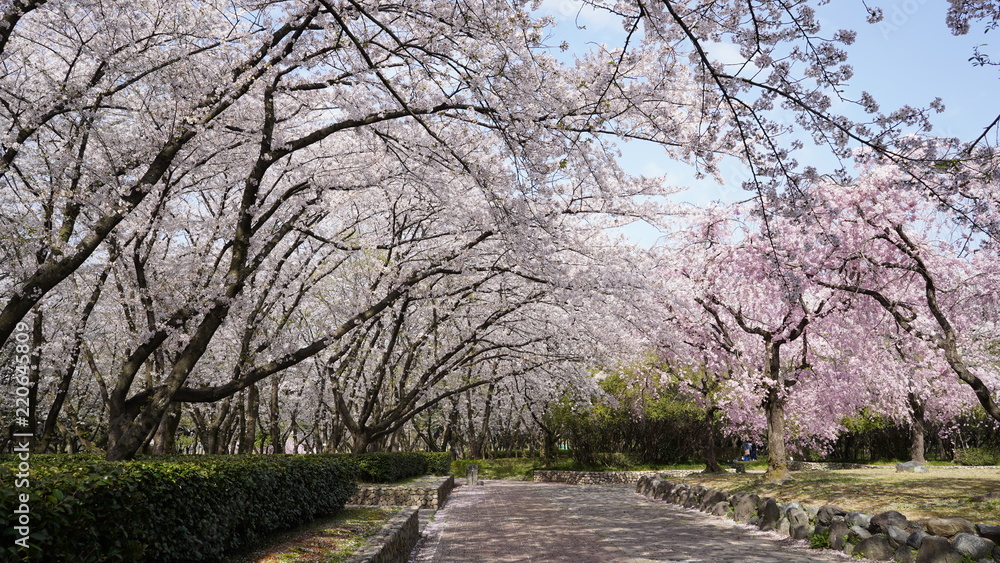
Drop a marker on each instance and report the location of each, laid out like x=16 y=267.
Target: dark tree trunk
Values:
x=917 y=430
x=362 y=441
x=777 y=454
x=774 y=406
x=249 y=437
x=711 y=463
x=164 y=441
x=477 y=441
x=277 y=445
x=34 y=374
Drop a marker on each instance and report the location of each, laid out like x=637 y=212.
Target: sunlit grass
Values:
x=942 y=492
x=522 y=468
x=510 y=468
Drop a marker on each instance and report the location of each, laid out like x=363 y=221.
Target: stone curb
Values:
x=395 y=540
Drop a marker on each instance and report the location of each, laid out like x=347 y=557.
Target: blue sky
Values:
x=909 y=58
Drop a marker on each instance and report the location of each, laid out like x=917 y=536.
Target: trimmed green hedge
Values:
x=977 y=456
x=388 y=467
x=179 y=508
x=438 y=463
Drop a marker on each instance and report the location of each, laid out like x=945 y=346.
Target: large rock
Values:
x=857 y=533
x=678 y=494
x=720 y=509
x=875 y=547
x=783 y=527
x=801 y=531
x=880 y=522
x=972 y=545
x=989 y=532
x=711 y=498
x=769 y=515
x=798 y=523
x=643 y=484
x=897 y=536
x=797 y=517
x=762 y=501
x=858 y=519
x=937 y=550
x=916 y=538
x=826 y=513
x=838 y=535
x=694 y=499
x=949 y=527
x=659 y=489
x=792 y=506
x=658 y=485
x=904 y=554
x=911 y=467
x=812 y=511
x=745 y=508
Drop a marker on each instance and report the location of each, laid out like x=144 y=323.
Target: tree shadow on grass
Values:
x=942 y=493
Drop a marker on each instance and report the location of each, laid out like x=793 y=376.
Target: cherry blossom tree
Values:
x=752 y=334
x=930 y=268
x=196 y=198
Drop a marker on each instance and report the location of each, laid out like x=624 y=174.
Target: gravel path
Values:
x=505 y=521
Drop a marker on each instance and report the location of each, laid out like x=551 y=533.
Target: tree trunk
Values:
x=477 y=441
x=777 y=455
x=249 y=437
x=774 y=406
x=164 y=442
x=34 y=375
x=917 y=430
x=228 y=427
x=711 y=463
x=275 y=431
x=361 y=442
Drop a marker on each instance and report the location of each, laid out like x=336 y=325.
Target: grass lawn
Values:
x=522 y=468
x=944 y=492
x=328 y=540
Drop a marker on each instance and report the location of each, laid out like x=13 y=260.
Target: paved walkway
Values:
x=506 y=521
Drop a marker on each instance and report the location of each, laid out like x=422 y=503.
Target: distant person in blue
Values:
x=749 y=451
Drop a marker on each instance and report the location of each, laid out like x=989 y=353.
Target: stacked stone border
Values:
x=404 y=495
x=629 y=477
x=599 y=477
x=395 y=540
x=887 y=536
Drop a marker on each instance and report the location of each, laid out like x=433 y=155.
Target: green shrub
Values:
x=977 y=456
x=438 y=463
x=386 y=467
x=820 y=540
x=177 y=508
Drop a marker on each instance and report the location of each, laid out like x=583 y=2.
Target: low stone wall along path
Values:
x=506 y=521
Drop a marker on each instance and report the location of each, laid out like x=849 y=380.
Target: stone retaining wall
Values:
x=600 y=477
x=394 y=542
x=825 y=465
x=887 y=536
x=629 y=477
x=425 y=494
